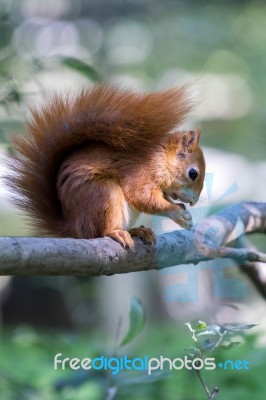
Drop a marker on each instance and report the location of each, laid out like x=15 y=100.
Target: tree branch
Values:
x=255 y=271
x=207 y=240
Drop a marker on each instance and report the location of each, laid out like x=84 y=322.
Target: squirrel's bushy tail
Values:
x=122 y=119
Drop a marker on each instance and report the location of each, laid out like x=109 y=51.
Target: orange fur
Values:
x=85 y=159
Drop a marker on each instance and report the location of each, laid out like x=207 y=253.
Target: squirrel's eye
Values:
x=193 y=174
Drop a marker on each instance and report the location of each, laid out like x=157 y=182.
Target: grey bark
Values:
x=214 y=237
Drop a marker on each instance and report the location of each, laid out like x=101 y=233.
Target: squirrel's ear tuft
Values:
x=198 y=132
x=190 y=139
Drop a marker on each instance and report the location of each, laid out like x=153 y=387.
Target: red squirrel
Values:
x=86 y=162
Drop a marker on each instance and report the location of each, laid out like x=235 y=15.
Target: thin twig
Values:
x=214 y=393
x=211 y=395
x=205 y=387
x=195 y=339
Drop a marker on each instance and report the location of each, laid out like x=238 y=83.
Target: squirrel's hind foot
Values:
x=122 y=237
x=125 y=239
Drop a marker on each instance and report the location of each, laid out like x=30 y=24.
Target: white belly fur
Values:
x=131 y=215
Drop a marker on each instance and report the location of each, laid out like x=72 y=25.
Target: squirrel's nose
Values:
x=195 y=200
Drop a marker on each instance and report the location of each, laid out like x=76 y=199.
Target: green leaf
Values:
x=201 y=325
x=81 y=67
x=136 y=321
x=208 y=344
x=238 y=327
x=207 y=332
x=192 y=352
x=211 y=330
x=230 y=345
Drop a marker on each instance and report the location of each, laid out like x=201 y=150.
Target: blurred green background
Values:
x=64 y=45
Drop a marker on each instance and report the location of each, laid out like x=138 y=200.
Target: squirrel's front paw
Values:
x=182 y=218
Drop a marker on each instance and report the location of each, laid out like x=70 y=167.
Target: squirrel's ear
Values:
x=198 y=133
x=191 y=139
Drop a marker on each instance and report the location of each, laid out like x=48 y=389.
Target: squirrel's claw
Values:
x=181 y=217
x=122 y=237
